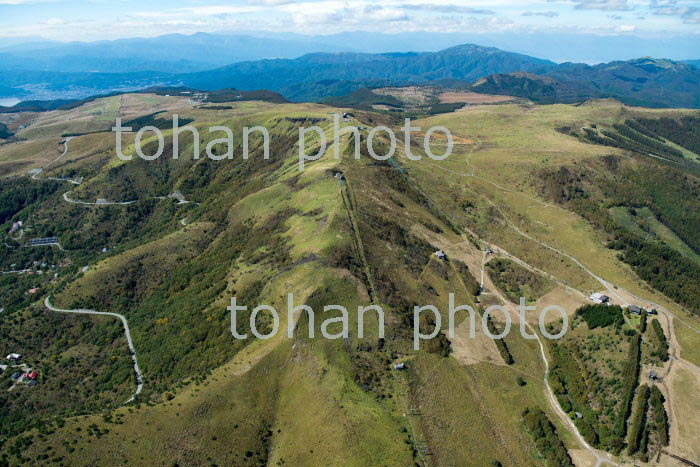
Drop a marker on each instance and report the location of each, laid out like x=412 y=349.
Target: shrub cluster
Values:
x=601 y=316
x=546 y=439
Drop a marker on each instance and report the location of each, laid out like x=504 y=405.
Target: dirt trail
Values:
x=600 y=457
x=347 y=199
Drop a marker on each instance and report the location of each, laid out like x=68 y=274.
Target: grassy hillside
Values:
x=546 y=199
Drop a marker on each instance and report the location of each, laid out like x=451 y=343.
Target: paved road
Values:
x=65 y=195
x=139 y=377
x=176 y=195
x=87 y=203
x=65 y=151
x=20 y=271
x=651 y=304
x=47 y=244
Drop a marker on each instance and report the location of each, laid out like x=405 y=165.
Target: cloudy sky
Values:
x=110 y=19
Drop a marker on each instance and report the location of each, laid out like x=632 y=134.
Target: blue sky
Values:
x=103 y=19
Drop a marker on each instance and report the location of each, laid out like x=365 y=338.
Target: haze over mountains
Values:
x=201 y=51
x=172 y=53
x=47 y=70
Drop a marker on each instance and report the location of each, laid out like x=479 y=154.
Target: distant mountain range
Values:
x=181 y=53
x=644 y=82
x=312 y=77
x=172 y=53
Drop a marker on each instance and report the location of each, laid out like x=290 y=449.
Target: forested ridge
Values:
x=684 y=131
x=671 y=193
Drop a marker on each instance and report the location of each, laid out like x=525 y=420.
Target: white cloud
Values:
x=447 y=8
x=333 y=16
x=546 y=14
x=606 y=5
x=199 y=11
x=270 y=2
x=218 y=10
x=689 y=14
x=18 y=2
x=343 y=14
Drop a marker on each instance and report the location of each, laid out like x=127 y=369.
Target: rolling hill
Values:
x=559 y=194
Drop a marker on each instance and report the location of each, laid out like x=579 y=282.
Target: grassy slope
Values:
x=98 y=115
x=310 y=391
x=20 y=157
x=515 y=143
x=684 y=385
x=342 y=412
x=689 y=341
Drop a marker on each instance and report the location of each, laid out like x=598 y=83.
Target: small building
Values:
x=33 y=375
x=14 y=357
x=634 y=309
x=15 y=227
x=599 y=298
x=43 y=241
x=441 y=255
x=399 y=366
x=33 y=290
x=579 y=415
x=652 y=375
x=32 y=382
x=16 y=375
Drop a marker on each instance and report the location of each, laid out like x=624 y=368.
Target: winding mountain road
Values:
x=88 y=203
x=176 y=195
x=65 y=151
x=139 y=377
